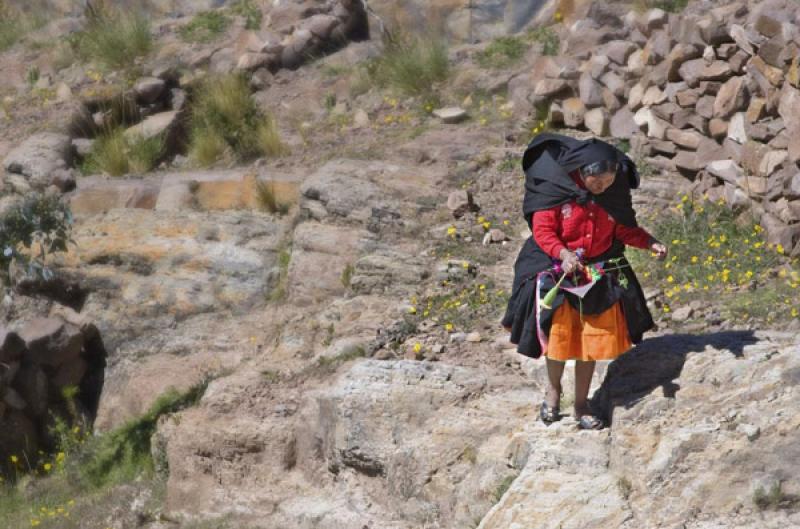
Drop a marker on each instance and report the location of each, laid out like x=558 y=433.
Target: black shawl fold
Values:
x=547 y=162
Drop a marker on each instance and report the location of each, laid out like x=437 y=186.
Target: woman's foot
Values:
x=550 y=409
x=586 y=419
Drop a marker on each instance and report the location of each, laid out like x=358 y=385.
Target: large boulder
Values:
x=39 y=156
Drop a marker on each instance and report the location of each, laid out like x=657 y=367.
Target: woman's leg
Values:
x=555 y=369
x=583 y=379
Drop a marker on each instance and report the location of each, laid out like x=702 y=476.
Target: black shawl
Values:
x=547 y=161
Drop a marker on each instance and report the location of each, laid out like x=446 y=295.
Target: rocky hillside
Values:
x=329 y=265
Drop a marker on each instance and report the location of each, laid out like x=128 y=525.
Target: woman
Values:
x=578 y=205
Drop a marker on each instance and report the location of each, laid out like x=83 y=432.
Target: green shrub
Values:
x=250 y=11
x=502 y=52
x=117 y=154
x=205 y=27
x=226 y=113
x=548 y=38
x=720 y=257
x=411 y=64
x=39 y=226
x=113 y=38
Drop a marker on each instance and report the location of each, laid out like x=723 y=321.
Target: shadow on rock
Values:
x=658 y=362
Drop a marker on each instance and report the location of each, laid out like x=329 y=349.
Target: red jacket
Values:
x=586 y=226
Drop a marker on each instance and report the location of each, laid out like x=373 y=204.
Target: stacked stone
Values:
x=37 y=362
x=713 y=95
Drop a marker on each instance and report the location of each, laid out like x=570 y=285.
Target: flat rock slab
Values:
x=451 y=114
x=40 y=155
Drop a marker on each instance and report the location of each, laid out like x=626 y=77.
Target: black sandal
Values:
x=590 y=422
x=549 y=414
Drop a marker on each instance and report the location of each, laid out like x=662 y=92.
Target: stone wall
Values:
x=38 y=360
x=712 y=93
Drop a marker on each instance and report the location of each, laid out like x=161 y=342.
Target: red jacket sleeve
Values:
x=636 y=237
x=545 y=225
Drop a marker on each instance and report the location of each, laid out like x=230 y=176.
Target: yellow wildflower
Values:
x=417 y=347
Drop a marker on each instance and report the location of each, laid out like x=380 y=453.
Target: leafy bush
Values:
x=411 y=64
x=205 y=27
x=112 y=37
x=502 y=52
x=39 y=226
x=226 y=118
x=117 y=154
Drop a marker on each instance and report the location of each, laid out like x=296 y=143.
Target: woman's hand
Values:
x=569 y=261
x=659 y=249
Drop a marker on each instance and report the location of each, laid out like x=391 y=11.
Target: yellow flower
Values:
x=666 y=308
x=448 y=327
x=481 y=219
x=486 y=225
x=723 y=238
x=14 y=459
x=694 y=259
x=417 y=347
x=670 y=279
x=412 y=310
x=794 y=312
x=47 y=467
x=465 y=264
x=505 y=222
x=482 y=287
x=779 y=249
x=676 y=241
x=684 y=198
x=451 y=230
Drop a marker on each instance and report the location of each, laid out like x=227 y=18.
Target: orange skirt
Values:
x=601 y=336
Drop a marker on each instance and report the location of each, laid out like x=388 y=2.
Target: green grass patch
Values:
x=413 y=65
x=82 y=479
x=227 y=123
x=205 y=27
x=279 y=293
x=456 y=307
x=117 y=154
x=721 y=258
x=502 y=52
x=265 y=194
x=670 y=6
x=502 y=487
x=15 y=24
x=124 y=453
x=774 y=498
x=114 y=38
x=548 y=38
x=249 y=11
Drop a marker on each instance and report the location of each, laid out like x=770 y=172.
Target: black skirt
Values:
x=617 y=285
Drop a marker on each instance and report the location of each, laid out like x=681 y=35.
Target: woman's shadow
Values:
x=658 y=362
